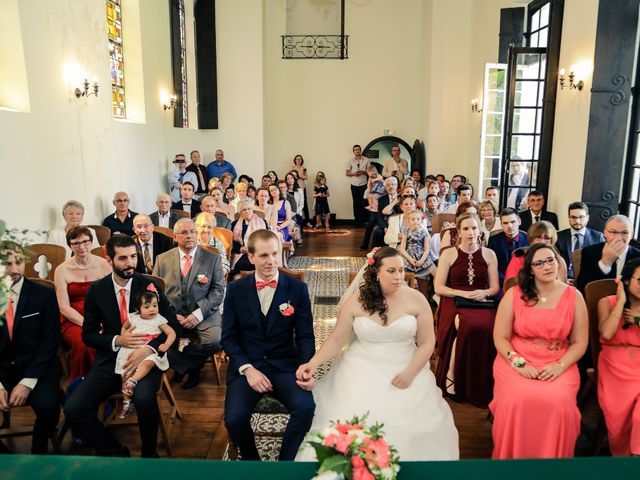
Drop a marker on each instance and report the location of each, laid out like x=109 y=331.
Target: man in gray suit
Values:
x=208 y=204
x=195 y=288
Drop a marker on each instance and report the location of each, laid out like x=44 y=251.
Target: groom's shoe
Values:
x=192 y=380
x=177 y=377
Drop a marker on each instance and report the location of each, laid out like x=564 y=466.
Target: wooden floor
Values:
x=201 y=433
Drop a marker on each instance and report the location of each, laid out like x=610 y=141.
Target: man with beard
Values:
x=107 y=306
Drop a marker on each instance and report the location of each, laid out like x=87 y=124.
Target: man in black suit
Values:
x=149 y=244
x=605 y=260
x=509 y=239
x=377 y=222
x=164 y=216
x=29 y=339
x=105 y=310
x=267 y=334
x=187 y=203
x=201 y=173
x=535 y=213
x=208 y=204
x=578 y=235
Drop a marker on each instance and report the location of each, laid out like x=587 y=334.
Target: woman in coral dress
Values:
x=619 y=363
x=541 y=332
x=466 y=280
x=73 y=279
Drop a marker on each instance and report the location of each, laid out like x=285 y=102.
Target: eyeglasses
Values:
x=624 y=233
x=541 y=263
x=186 y=232
x=83 y=243
x=122 y=200
x=579 y=217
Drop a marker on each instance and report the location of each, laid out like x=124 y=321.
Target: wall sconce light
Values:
x=474 y=106
x=87 y=89
x=169 y=102
x=571 y=77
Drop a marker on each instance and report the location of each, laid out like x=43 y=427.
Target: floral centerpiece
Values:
x=354 y=451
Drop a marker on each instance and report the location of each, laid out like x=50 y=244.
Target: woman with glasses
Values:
x=73 y=214
x=539 y=232
x=73 y=279
x=619 y=362
x=541 y=331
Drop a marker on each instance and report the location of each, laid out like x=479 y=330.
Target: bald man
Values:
x=121 y=221
x=208 y=205
x=164 y=216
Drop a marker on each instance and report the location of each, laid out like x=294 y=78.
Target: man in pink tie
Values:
x=267 y=334
x=29 y=340
x=195 y=286
x=106 y=308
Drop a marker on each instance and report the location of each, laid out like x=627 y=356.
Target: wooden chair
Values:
x=181 y=213
x=164 y=231
x=103 y=233
x=437 y=221
x=211 y=249
x=259 y=213
x=99 y=251
x=297 y=274
x=44 y=258
x=226 y=237
x=593 y=292
x=45 y=282
x=576 y=260
x=8 y=432
x=508 y=283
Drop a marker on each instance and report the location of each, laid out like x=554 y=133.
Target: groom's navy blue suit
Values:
x=276 y=345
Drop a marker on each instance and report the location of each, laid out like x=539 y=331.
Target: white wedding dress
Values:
x=417 y=420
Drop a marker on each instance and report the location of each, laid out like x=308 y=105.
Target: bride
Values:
x=384 y=371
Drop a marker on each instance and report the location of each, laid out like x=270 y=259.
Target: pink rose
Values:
x=377 y=452
x=362 y=474
x=330 y=440
x=203 y=279
x=357 y=461
x=343 y=443
x=152 y=288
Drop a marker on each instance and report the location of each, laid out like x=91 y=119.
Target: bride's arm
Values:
x=425 y=339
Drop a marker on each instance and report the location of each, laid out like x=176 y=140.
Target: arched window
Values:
x=116 y=60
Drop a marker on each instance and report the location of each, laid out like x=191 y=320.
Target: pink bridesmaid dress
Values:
x=619 y=388
x=535 y=418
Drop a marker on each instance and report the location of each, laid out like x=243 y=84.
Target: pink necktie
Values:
x=187 y=265
x=10 y=315
x=124 y=313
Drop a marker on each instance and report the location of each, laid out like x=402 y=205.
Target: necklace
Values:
x=543 y=299
x=83 y=267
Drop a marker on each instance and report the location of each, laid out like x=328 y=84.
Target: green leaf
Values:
x=3 y=227
x=322 y=452
x=338 y=464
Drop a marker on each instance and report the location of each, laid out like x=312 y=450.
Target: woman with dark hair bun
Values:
x=619 y=362
x=385 y=370
x=541 y=331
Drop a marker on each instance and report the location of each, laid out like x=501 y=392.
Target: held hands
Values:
x=257 y=380
x=528 y=372
x=189 y=321
x=129 y=339
x=4 y=400
x=19 y=396
x=304 y=376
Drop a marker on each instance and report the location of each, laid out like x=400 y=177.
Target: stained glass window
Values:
x=183 y=65
x=116 y=63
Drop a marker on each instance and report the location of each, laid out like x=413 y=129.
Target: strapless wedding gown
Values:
x=417 y=420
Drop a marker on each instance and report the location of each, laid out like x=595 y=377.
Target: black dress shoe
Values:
x=192 y=380
x=364 y=247
x=177 y=377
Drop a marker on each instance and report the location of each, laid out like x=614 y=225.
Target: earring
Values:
x=377 y=279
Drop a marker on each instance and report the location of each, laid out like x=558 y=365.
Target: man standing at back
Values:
x=200 y=172
x=357 y=173
x=219 y=166
x=578 y=235
x=396 y=166
x=267 y=334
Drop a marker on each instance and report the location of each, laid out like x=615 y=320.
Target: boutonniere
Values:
x=287 y=309
x=202 y=279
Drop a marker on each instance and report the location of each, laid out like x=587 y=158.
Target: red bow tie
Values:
x=270 y=283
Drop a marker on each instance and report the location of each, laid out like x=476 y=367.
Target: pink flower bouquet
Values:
x=354 y=451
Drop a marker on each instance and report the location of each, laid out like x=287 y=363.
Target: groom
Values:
x=267 y=333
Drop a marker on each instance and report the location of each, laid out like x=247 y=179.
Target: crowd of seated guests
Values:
x=527 y=339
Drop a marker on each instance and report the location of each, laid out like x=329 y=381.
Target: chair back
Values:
x=226 y=237
x=159 y=281
x=44 y=281
x=576 y=260
x=508 y=283
x=99 y=251
x=103 y=233
x=437 y=221
x=593 y=292
x=209 y=248
x=494 y=232
x=166 y=231
x=181 y=213
x=44 y=258
x=298 y=274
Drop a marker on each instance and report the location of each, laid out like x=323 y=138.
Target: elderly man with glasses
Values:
x=149 y=244
x=121 y=221
x=606 y=259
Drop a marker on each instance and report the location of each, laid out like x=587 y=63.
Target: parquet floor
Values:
x=201 y=433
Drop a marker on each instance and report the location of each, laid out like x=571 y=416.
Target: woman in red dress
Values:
x=541 y=332
x=466 y=280
x=619 y=363
x=73 y=279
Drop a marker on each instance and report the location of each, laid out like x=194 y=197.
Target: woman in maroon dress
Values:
x=73 y=279
x=466 y=280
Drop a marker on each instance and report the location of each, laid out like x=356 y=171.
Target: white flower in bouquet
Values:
x=329 y=475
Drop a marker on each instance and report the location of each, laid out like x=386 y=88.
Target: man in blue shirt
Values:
x=220 y=166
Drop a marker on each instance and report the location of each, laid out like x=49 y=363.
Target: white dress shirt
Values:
x=16 y=288
x=163 y=220
x=619 y=264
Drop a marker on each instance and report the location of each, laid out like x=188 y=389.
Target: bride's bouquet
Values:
x=353 y=451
